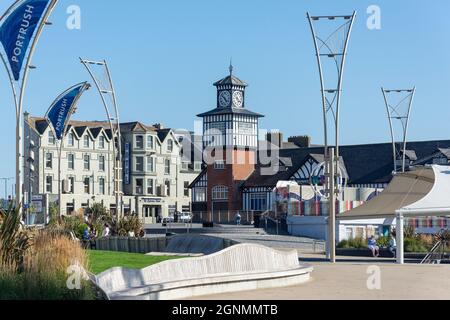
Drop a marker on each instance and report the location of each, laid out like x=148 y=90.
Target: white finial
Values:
x=231 y=67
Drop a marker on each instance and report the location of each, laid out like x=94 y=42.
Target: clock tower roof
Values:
x=230 y=80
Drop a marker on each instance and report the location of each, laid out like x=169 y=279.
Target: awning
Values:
x=437 y=201
x=406 y=189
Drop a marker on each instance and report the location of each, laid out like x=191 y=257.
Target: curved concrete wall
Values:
x=247 y=261
x=197 y=244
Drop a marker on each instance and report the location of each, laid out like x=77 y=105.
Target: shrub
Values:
x=44 y=275
x=357 y=243
x=414 y=245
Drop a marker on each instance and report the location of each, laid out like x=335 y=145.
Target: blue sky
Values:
x=165 y=55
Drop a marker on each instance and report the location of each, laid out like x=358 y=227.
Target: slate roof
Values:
x=223 y=111
x=231 y=79
x=365 y=164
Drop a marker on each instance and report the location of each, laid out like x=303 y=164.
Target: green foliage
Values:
x=383 y=242
x=14 y=240
x=357 y=243
x=25 y=286
x=415 y=245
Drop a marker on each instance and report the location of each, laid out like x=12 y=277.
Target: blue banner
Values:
x=60 y=111
x=18 y=29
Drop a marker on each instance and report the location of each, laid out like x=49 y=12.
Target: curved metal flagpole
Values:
x=19 y=98
x=115 y=130
x=60 y=142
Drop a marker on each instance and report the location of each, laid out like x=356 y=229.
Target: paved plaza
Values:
x=348 y=281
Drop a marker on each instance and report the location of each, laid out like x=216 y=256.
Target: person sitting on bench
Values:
x=374 y=247
x=393 y=244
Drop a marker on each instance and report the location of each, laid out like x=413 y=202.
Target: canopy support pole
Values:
x=400 y=233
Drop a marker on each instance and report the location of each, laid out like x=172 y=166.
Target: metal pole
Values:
x=391 y=126
x=332 y=214
x=405 y=136
x=400 y=238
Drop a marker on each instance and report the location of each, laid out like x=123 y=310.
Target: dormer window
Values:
x=71 y=140
x=170 y=145
x=87 y=141
x=51 y=138
x=101 y=142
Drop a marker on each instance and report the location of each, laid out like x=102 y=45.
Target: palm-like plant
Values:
x=14 y=240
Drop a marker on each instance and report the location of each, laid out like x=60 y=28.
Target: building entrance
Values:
x=152 y=214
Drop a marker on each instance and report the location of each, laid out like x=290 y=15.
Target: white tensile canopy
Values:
x=424 y=191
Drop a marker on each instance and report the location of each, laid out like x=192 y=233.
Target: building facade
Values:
x=230 y=144
x=155 y=180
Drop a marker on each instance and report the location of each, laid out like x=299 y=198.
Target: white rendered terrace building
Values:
x=155 y=182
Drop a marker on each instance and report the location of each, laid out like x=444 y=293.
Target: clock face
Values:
x=224 y=99
x=238 y=99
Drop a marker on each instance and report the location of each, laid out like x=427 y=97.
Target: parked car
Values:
x=167 y=220
x=185 y=218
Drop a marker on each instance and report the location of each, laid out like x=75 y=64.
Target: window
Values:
x=87 y=162
x=101 y=186
x=51 y=138
x=150 y=142
x=197 y=166
x=86 y=141
x=49 y=184
x=72 y=185
x=219 y=165
x=139 y=186
x=150 y=188
x=49 y=160
x=258 y=202
x=199 y=194
x=220 y=193
x=71 y=161
x=170 y=145
x=139 y=142
x=87 y=185
x=167 y=166
x=101 y=163
x=186 y=188
x=150 y=164
x=139 y=164
x=167 y=185
x=185 y=166
x=101 y=142
x=71 y=140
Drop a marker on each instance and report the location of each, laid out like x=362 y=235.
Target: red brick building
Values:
x=230 y=143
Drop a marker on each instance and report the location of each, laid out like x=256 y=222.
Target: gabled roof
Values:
x=365 y=164
x=163 y=133
x=136 y=127
x=199 y=177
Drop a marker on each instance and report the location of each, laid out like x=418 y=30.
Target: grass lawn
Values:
x=103 y=260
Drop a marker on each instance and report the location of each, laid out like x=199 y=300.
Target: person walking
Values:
x=238 y=219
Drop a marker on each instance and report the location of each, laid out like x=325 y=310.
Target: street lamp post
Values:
x=400 y=111
x=332 y=46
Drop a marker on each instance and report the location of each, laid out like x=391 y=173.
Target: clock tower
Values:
x=230 y=142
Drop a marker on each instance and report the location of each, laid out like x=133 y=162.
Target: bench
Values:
x=242 y=267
